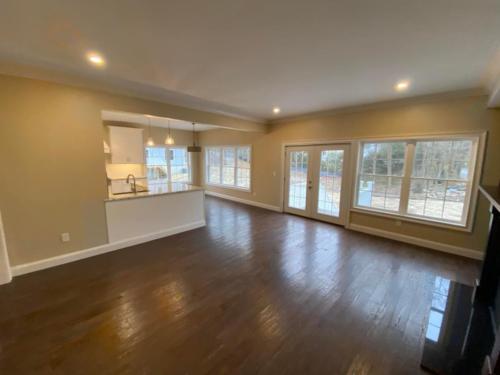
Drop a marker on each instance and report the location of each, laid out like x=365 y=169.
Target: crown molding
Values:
x=471 y=92
x=114 y=85
x=96 y=80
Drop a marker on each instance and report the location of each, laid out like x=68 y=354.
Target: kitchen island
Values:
x=165 y=209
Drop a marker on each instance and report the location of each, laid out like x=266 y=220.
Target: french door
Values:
x=314 y=182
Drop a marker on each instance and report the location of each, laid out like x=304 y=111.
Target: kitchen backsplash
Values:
x=121 y=186
x=121 y=171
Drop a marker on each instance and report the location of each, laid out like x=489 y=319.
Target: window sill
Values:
x=412 y=219
x=228 y=187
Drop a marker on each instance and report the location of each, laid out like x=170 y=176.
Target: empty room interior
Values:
x=250 y=187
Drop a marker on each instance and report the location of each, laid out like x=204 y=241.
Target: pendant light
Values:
x=194 y=148
x=150 y=141
x=169 y=140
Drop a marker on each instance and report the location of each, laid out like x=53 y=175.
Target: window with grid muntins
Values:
x=381 y=175
x=168 y=164
x=428 y=179
x=228 y=166
x=440 y=179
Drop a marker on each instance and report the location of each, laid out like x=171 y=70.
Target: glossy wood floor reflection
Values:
x=255 y=292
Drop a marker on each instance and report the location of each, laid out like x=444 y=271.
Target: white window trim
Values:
x=479 y=141
x=221 y=147
x=169 y=164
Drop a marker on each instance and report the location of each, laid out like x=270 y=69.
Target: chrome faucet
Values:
x=133 y=184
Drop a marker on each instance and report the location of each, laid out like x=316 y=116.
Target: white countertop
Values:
x=156 y=189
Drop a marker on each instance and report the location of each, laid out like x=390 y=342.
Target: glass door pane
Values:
x=315 y=186
x=330 y=182
x=297 y=181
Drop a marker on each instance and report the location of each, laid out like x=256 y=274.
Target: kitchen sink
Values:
x=140 y=189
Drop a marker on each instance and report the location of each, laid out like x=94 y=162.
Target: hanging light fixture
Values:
x=169 y=140
x=194 y=148
x=150 y=141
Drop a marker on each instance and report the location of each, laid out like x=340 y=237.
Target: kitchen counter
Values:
x=164 y=210
x=156 y=189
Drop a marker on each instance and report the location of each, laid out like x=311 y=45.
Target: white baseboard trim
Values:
x=102 y=249
x=451 y=249
x=6 y=276
x=244 y=201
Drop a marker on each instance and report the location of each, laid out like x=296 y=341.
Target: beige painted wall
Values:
x=53 y=173
x=52 y=163
x=437 y=116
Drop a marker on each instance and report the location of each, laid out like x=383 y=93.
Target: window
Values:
x=243 y=167
x=429 y=179
x=214 y=166
x=179 y=164
x=228 y=166
x=168 y=164
x=381 y=175
x=156 y=162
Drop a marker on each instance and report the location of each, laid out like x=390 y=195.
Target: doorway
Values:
x=316 y=181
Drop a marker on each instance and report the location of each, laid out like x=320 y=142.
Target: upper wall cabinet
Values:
x=127 y=145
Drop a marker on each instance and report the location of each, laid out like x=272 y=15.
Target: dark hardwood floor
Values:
x=254 y=292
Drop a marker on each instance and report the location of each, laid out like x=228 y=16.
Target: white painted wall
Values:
x=5 y=274
x=154 y=215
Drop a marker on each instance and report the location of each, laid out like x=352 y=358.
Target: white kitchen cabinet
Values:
x=127 y=145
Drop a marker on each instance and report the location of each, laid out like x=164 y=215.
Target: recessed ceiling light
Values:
x=276 y=110
x=402 y=85
x=96 y=59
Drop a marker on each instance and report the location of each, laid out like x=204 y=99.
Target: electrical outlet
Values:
x=65 y=237
x=274 y=173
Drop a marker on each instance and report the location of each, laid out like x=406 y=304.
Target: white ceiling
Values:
x=162 y=122
x=245 y=56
